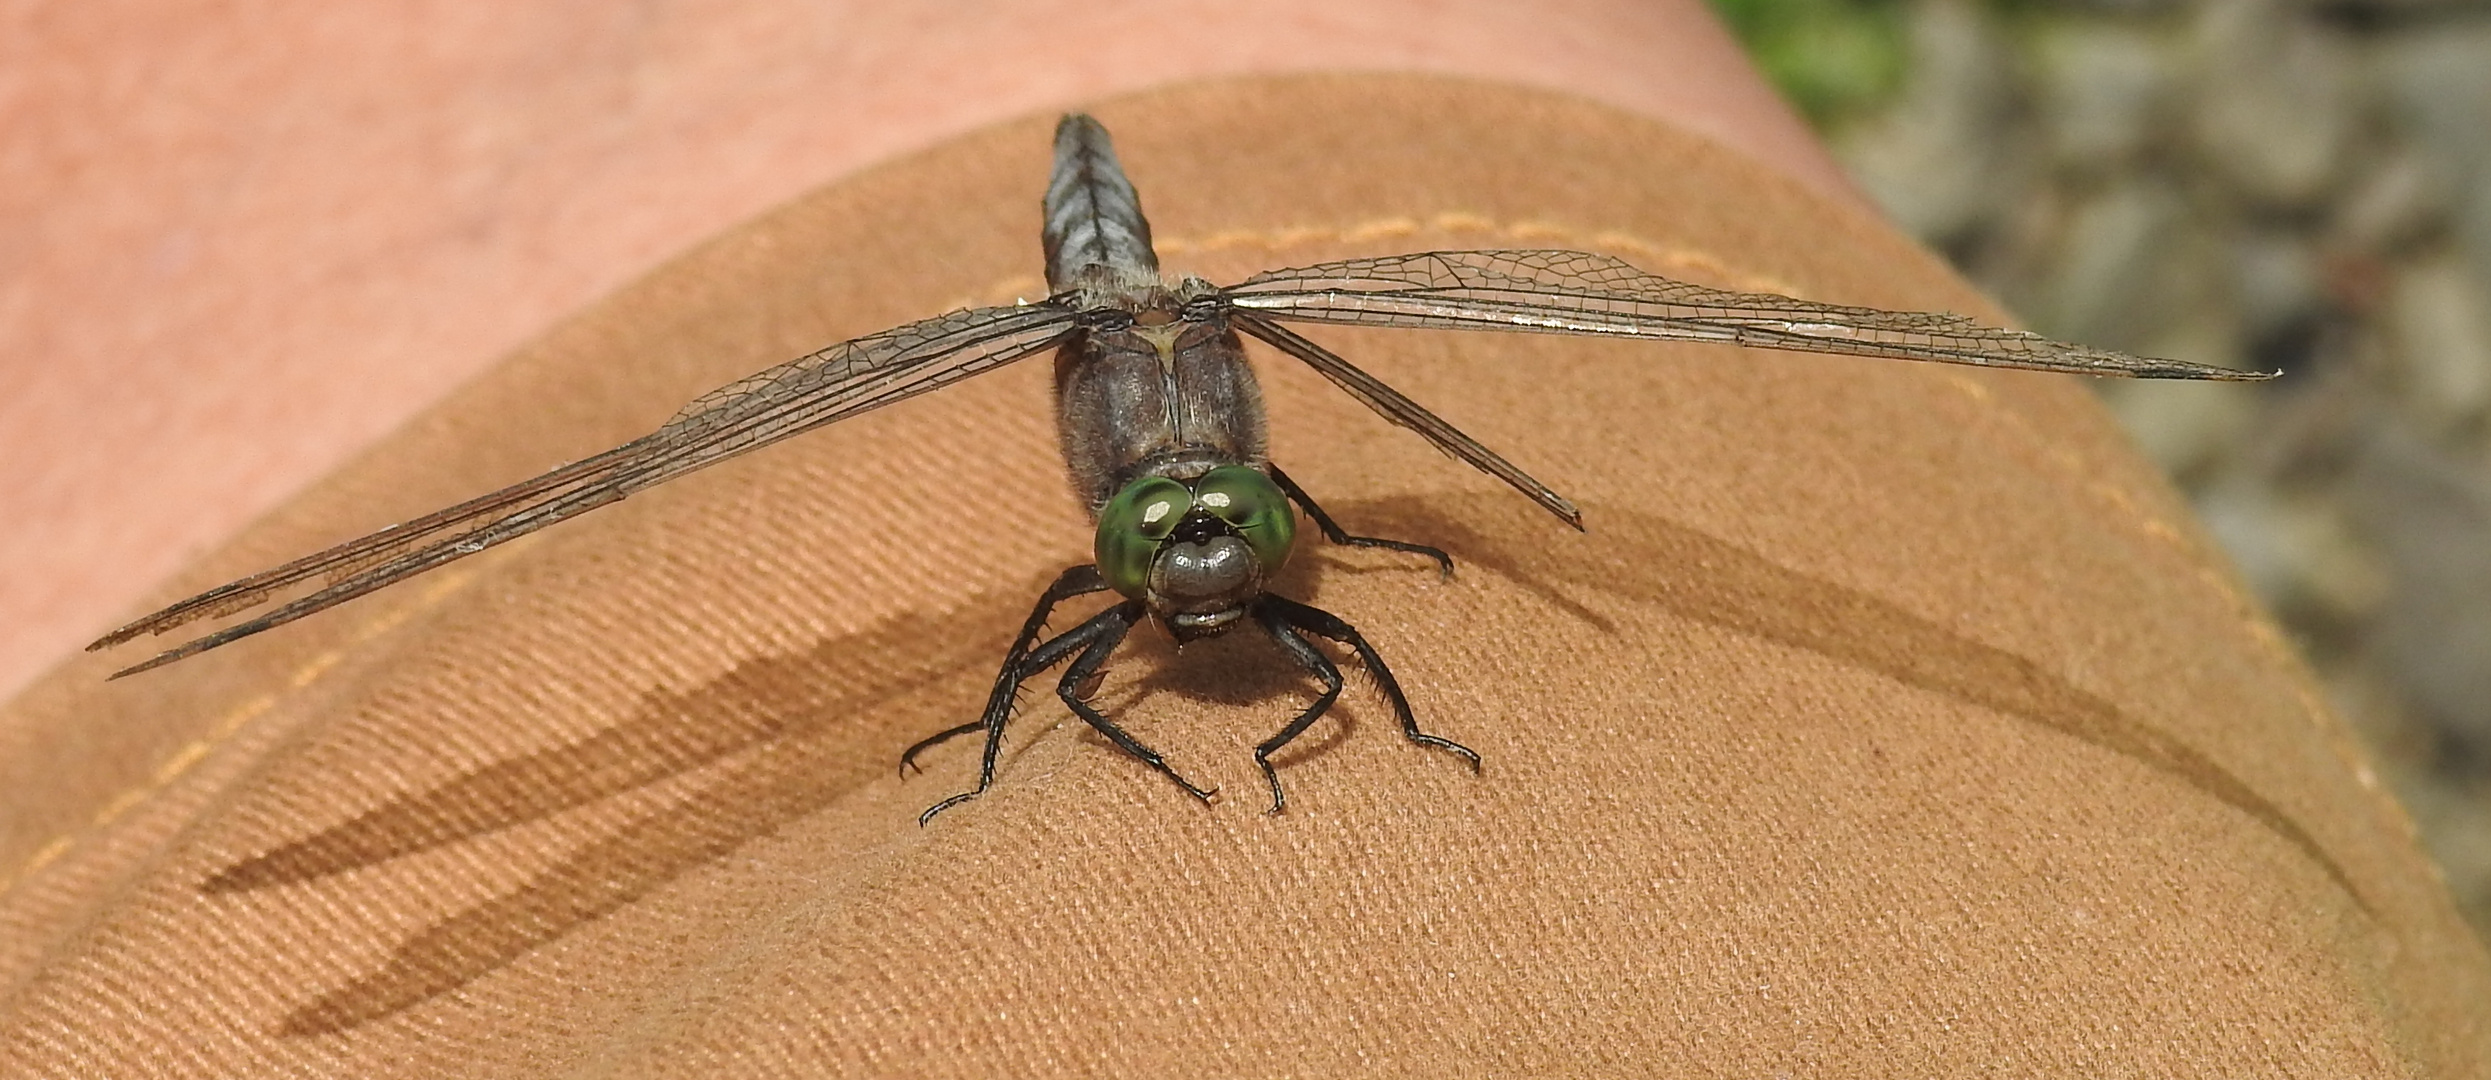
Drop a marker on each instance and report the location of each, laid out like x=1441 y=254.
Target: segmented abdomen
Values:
x=1093 y=216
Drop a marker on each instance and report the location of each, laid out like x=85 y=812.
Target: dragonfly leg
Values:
x=1078 y=581
x=1070 y=686
x=908 y=757
x=1323 y=623
x=1333 y=532
x=1320 y=666
x=1021 y=663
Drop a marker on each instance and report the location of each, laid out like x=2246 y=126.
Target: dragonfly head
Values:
x=1196 y=552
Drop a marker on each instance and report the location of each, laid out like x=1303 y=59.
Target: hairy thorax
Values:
x=1159 y=388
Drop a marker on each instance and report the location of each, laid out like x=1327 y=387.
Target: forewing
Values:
x=1389 y=403
x=1573 y=292
x=833 y=384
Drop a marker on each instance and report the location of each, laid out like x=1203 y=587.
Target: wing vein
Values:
x=1572 y=292
x=834 y=383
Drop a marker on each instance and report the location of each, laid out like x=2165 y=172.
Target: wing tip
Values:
x=185 y=650
x=149 y=664
x=1562 y=507
x=2174 y=369
x=119 y=636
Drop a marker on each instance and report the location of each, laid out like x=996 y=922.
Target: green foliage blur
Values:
x=1834 y=59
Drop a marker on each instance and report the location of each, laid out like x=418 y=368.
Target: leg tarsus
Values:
x=1321 y=667
x=1019 y=664
x=946 y=804
x=1068 y=688
x=1333 y=532
x=908 y=757
x=1323 y=623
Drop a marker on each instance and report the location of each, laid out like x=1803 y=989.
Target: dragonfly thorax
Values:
x=1155 y=378
x=1196 y=552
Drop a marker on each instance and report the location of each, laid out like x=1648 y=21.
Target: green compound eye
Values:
x=1130 y=527
x=1250 y=503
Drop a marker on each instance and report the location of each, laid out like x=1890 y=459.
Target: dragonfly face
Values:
x=1162 y=429
x=1196 y=554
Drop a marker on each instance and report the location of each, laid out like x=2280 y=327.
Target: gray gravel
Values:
x=2267 y=183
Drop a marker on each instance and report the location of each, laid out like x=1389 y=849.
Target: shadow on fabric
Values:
x=779 y=731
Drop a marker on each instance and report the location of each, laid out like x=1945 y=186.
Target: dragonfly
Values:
x=1162 y=428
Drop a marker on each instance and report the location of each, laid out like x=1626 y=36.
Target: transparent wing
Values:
x=1378 y=395
x=833 y=384
x=1573 y=292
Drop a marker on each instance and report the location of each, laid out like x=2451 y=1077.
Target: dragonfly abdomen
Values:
x=1093 y=216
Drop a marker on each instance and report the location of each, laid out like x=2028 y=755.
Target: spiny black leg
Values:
x=908 y=757
x=1325 y=624
x=1069 y=687
x=1317 y=664
x=1333 y=532
x=1112 y=622
x=1078 y=581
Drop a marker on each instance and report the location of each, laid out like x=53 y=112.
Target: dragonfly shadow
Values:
x=1245 y=671
x=1652 y=562
x=778 y=737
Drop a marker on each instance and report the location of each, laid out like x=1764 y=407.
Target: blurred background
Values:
x=2294 y=184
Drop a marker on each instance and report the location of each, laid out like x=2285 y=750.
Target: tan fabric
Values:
x=1890 y=719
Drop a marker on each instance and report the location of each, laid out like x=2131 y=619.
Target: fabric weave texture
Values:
x=1890 y=720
